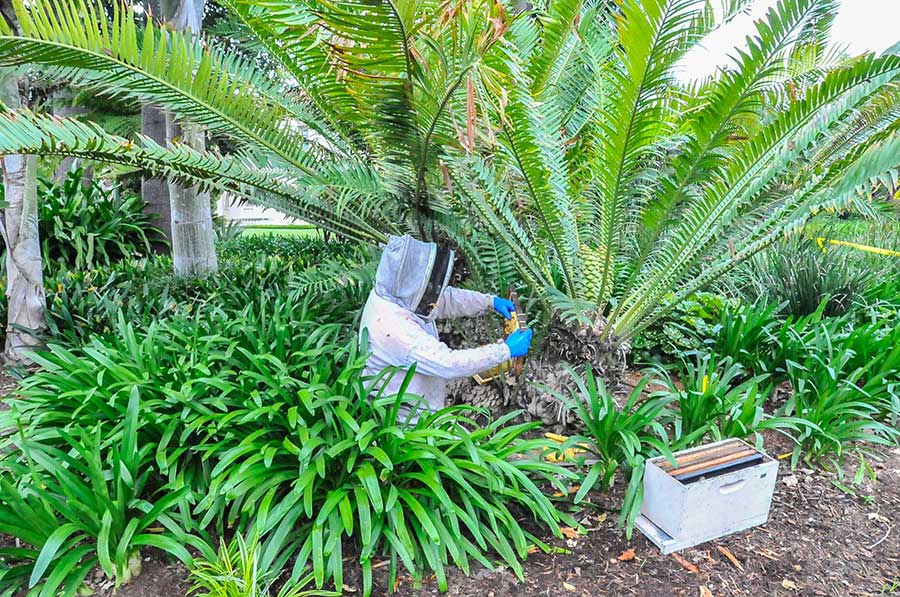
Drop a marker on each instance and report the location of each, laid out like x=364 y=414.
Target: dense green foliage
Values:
x=557 y=148
x=799 y=273
x=243 y=408
x=85 y=226
x=235 y=572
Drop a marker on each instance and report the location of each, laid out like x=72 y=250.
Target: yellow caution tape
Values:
x=867 y=248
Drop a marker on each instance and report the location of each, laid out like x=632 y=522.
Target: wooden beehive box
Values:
x=712 y=491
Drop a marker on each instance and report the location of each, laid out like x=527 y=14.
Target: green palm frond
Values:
x=25 y=132
x=759 y=162
x=835 y=191
x=557 y=42
x=489 y=208
x=653 y=35
x=73 y=40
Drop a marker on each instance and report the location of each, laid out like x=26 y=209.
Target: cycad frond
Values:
x=842 y=184
x=750 y=170
x=72 y=39
x=28 y=133
x=653 y=35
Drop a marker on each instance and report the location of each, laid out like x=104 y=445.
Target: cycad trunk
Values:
x=193 y=236
x=564 y=346
x=25 y=279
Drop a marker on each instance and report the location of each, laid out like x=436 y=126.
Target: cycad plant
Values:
x=556 y=146
x=616 y=184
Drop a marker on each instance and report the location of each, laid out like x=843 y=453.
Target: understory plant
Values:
x=235 y=572
x=800 y=273
x=85 y=226
x=616 y=439
x=256 y=419
x=76 y=497
x=845 y=384
x=684 y=329
x=841 y=372
x=85 y=302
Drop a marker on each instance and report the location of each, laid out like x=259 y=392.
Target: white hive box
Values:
x=713 y=491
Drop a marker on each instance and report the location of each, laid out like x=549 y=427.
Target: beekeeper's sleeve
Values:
x=433 y=357
x=457 y=302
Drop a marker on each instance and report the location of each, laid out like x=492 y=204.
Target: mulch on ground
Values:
x=819 y=540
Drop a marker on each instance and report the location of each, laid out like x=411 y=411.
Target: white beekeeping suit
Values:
x=410 y=293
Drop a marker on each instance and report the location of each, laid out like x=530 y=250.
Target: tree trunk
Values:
x=25 y=279
x=155 y=190
x=193 y=236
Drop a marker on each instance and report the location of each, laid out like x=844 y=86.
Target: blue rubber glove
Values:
x=504 y=307
x=519 y=342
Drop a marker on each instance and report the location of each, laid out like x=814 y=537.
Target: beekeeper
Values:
x=410 y=293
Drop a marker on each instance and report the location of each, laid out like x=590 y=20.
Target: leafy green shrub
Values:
x=843 y=370
x=800 y=275
x=742 y=334
x=718 y=399
x=846 y=386
x=618 y=438
x=305 y=251
x=77 y=497
x=235 y=572
x=262 y=415
x=683 y=330
x=82 y=303
x=87 y=226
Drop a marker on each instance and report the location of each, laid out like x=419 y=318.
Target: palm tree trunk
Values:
x=193 y=236
x=25 y=279
x=154 y=189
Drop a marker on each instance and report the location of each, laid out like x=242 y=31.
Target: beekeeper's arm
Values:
x=457 y=302
x=434 y=358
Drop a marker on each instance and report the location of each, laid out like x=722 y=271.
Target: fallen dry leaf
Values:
x=569 y=587
x=725 y=552
x=705 y=592
x=790 y=480
x=687 y=565
x=627 y=555
x=533 y=549
x=789 y=585
x=570 y=533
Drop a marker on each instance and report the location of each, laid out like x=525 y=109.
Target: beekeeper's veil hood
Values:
x=413 y=274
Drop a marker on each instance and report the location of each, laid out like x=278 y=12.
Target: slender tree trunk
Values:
x=25 y=279
x=193 y=236
x=155 y=190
